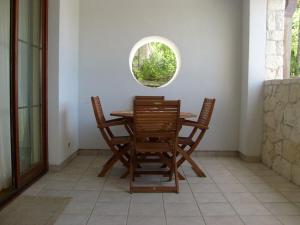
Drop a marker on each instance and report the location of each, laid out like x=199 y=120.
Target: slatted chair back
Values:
x=206 y=112
x=99 y=115
x=100 y=119
x=156 y=119
x=149 y=98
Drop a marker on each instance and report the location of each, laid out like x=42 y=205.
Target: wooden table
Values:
x=129 y=114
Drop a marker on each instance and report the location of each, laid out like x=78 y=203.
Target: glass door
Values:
x=30 y=89
x=6 y=181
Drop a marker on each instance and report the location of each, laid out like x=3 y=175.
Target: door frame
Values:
x=22 y=180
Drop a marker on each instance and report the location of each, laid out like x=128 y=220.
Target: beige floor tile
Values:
x=257 y=188
x=292 y=196
x=260 y=220
x=146 y=209
x=241 y=197
x=60 y=185
x=70 y=219
x=84 y=196
x=223 y=220
x=289 y=220
x=146 y=220
x=200 y=180
x=210 y=197
x=116 y=186
x=251 y=209
x=111 y=209
x=265 y=173
x=114 y=196
x=146 y=197
x=212 y=188
x=77 y=207
x=84 y=185
x=232 y=188
x=184 y=188
x=283 y=209
x=67 y=177
x=107 y=220
x=217 y=209
x=180 y=198
x=270 y=197
x=185 y=220
x=250 y=180
x=218 y=172
x=181 y=209
x=54 y=193
x=226 y=180
x=286 y=187
x=275 y=179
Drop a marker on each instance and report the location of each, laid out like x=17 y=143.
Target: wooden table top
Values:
x=129 y=114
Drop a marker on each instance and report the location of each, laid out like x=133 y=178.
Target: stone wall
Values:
x=281 y=145
x=275 y=39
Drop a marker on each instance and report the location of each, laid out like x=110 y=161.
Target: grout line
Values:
x=188 y=183
x=128 y=209
x=227 y=201
x=165 y=214
x=100 y=192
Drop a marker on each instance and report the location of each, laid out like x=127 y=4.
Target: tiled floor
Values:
x=233 y=193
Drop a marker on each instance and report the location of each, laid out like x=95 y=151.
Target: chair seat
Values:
x=121 y=140
x=152 y=147
x=185 y=141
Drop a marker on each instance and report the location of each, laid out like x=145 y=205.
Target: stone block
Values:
x=274 y=5
x=294 y=94
x=290 y=115
x=282 y=167
x=290 y=151
x=296 y=174
x=274 y=62
x=275 y=35
x=271 y=48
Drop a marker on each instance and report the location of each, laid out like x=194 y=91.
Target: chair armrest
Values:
x=115 y=122
x=191 y=123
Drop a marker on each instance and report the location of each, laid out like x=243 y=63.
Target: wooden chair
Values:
x=187 y=145
x=160 y=120
x=119 y=145
x=149 y=98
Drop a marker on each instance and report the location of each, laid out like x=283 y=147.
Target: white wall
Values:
x=68 y=80
x=209 y=36
x=63 y=79
x=253 y=76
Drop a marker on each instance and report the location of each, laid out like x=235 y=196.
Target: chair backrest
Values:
x=99 y=115
x=156 y=118
x=149 y=98
x=206 y=112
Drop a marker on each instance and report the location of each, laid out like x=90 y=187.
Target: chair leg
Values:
x=131 y=177
x=176 y=175
x=108 y=165
x=125 y=174
x=195 y=167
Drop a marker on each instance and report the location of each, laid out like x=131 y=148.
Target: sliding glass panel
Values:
x=30 y=85
x=5 y=137
x=24 y=19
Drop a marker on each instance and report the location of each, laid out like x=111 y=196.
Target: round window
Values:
x=154 y=62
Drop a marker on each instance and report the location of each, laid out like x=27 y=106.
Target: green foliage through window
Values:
x=295 y=55
x=154 y=64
